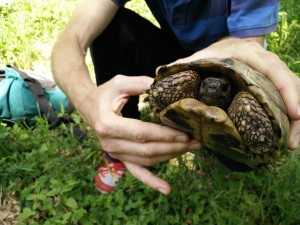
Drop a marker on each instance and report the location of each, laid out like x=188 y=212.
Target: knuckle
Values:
x=102 y=129
x=148 y=156
x=274 y=58
x=254 y=45
x=146 y=152
x=118 y=79
x=106 y=146
x=149 y=162
x=140 y=137
x=178 y=151
x=275 y=63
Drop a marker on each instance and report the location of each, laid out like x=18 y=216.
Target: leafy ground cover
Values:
x=46 y=175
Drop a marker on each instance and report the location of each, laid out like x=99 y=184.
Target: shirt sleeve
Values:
x=253 y=17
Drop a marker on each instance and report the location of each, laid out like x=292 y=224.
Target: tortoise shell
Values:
x=257 y=114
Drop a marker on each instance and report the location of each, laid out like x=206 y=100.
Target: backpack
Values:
x=25 y=96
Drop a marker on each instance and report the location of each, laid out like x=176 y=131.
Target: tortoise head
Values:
x=215 y=91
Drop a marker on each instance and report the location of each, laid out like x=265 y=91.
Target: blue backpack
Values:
x=22 y=96
x=26 y=96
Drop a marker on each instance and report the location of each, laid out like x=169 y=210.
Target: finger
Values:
x=133 y=85
x=124 y=87
x=291 y=97
x=143 y=161
x=267 y=63
x=283 y=79
x=148 y=178
x=114 y=126
x=149 y=150
x=294 y=138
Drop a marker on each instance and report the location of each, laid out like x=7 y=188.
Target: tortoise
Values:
x=229 y=107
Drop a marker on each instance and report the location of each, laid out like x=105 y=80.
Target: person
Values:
x=126 y=49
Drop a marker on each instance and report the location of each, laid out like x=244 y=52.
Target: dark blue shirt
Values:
x=199 y=23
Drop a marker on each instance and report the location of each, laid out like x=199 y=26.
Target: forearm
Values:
x=69 y=69
x=68 y=55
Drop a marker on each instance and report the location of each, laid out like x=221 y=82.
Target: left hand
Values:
x=254 y=55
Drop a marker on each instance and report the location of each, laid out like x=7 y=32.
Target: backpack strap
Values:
x=2 y=73
x=38 y=93
x=45 y=107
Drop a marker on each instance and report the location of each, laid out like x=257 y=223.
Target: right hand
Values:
x=269 y=64
x=132 y=141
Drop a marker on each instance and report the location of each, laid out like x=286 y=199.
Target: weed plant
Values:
x=285 y=41
x=51 y=173
x=28 y=31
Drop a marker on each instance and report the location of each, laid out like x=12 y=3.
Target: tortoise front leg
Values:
x=254 y=127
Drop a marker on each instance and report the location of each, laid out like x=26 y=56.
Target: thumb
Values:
x=148 y=178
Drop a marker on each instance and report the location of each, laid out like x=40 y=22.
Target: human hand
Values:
x=269 y=64
x=135 y=143
x=294 y=138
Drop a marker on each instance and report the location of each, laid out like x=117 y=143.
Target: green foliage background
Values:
x=51 y=173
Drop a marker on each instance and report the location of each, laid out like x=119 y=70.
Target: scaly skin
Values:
x=245 y=111
x=253 y=125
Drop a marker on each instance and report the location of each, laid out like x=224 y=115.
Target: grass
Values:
x=50 y=173
x=285 y=41
x=28 y=31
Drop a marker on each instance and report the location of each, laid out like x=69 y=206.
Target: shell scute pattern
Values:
x=252 y=129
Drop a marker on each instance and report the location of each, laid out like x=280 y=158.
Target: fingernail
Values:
x=181 y=138
x=163 y=191
x=193 y=145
